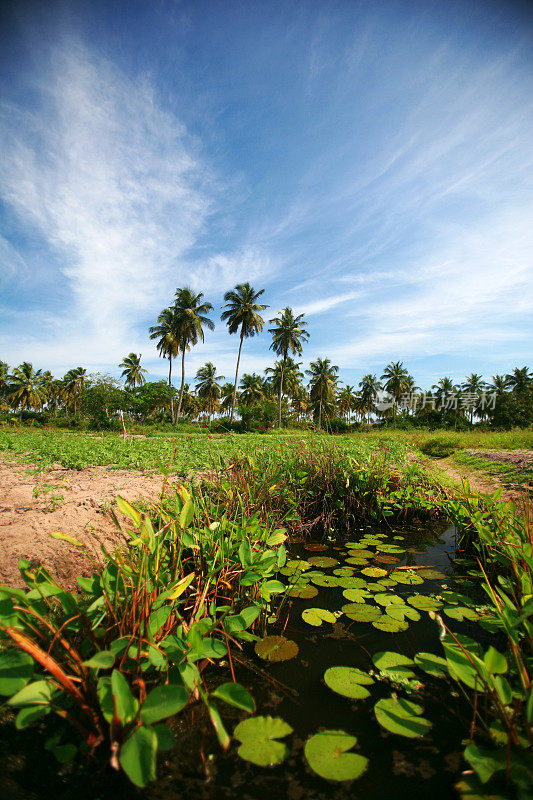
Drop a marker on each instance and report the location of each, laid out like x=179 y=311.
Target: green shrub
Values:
x=440 y=446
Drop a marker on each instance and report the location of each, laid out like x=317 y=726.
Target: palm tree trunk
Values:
x=320 y=410
x=236 y=379
x=170 y=384
x=281 y=389
x=178 y=412
x=394 y=413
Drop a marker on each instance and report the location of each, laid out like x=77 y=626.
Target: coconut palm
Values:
x=474 y=385
x=323 y=379
x=288 y=335
x=252 y=390
x=133 y=372
x=500 y=384
x=190 y=319
x=207 y=387
x=25 y=389
x=166 y=333
x=226 y=396
x=347 y=400
x=369 y=386
x=395 y=377
x=520 y=380
x=242 y=314
x=288 y=372
x=444 y=388
x=74 y=382
x=4 y=378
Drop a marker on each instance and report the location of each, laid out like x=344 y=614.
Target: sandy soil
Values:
x=27 y=520
x=521 y=459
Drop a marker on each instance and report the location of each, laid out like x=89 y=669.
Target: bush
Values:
x=440 y=446
x=337 y=425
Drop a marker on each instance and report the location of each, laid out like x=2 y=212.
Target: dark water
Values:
x=294 y=690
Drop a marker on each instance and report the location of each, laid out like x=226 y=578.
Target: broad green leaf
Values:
x=485 y=762
x=327 y=581
x=305 y=592
x=235 y=695
x=187 y=513
x=402 y=717
x=390 y=662
x=348 y=681
x=138 y=756
x=104 y=659
x=401 y=612
x=432 y=664
x=124 y=702
x=389 y=625
x=316 y=616
x=165 y=737
x=461 y=613
x=409 y=578
x=66 y=538
x=495 y=662
x=38 y=693
x=326 y=754
x=424 y=603
x=323 y=561
x=162 y=702
x=129 y=511
x=16 y=669
x=258 y=737
x=356 y=596
x=216 y=720
x=362 y=612
x=181 y=586
x=29 y=714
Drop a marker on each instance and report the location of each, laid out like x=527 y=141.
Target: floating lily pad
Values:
x=356 y=595
x=378 y=586
x=355 y=545
x=390 y=662
x=432 y=664
x=461 y=613
x=276 y=648
x=402 y=717
x=360 y=552
x=389 y=625
x=414 y=551
x=295 y=566
x=386 y=559
x=325 y=580
x=323 y=561
x=258 y=737
x=351 y=582
x=391 y=548
x=361 y=612
x=424 y=603
x=356 y=561
x=402 y=612
x=316 y=616
x=374 y=572
x=407 y=577
x=348 y=681
x=326 y=754
x=387 y=599
x=316 y=547
x=343 y=572
x=432 y=575
x=304 y=592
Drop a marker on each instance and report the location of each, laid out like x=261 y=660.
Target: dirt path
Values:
x=74 y=502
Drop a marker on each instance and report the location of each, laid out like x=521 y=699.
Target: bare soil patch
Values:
x=521 y=459
x=76 y=504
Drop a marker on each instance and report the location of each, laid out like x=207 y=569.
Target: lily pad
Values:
x=323 y=561
x=389 y=662
x=305 y=592
x=352 y=583
x=326 y=754
x=348 y=681
x=295 y=566
x=402 y=717
x=461 y=613
x=374 y=572
x=361 y=553
x=357 y=561
x=276 y=648
x=432 y=575
x=355 y=545
x=361 y=612
x=387 y=599
x=424 y=603
x=407 y=577
x=432 y=664
x=325 y=580
x=258 y=737
x=402 y=612
x=386 y=559
x=391 y=548
x=343 y=572
x=316 y=547
x=316 y=616
x=389 y=625
x=356 y=595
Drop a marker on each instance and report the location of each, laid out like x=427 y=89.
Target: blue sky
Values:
x=367 y=163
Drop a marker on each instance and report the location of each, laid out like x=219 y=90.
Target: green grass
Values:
x=188 y=451
x=507 y=473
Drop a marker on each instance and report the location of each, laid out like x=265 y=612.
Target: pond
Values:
x=294 y=690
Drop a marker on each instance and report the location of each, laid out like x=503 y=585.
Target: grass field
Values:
x=187 y=452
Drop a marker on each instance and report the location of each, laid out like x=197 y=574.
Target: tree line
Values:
x=281 y=395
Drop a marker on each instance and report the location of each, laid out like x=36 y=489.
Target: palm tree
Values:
x=133 y=372
x=288 y=335
x=207 y=386
x=395 y=377
x=226 y=396
x=25 y=389
x=322 y=384
x=242 y=312
x=474 y=385
x=252 y=390
x=499 y=385
x=443 y=388
x=191 y=315
x=167 y=341
x=369 y=386
x=74 y=382
x=347 y=400
x=289 y=372
x=4 y=378
x=520 y=379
